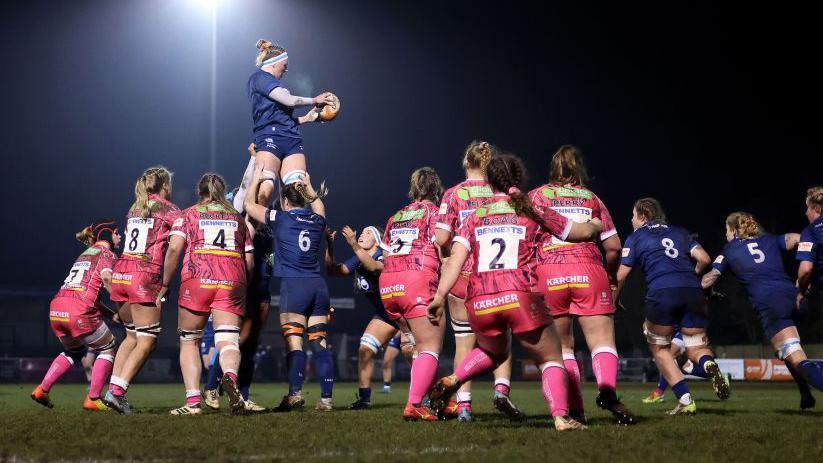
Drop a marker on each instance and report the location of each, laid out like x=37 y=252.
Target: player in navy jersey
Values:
x=673 y=297
x=297 y=232
x=366 y=265
x=755 y=259
x=810 y=252
x=277 y=140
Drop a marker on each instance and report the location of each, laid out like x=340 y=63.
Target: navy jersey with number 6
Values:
x=663 y=252
x=297 y=237
x=758 y=264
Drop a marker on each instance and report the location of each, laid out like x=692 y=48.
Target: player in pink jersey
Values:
x=75 y=314
x=410 y=270
x=501 y=237
x=217 y=259
x=458 y=203
x=137 y=279
x=575 y=284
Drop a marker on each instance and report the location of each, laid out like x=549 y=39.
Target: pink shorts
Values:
x=407 y=294
x=492 y=314
x=575 y=289
x=135 y=287
x=461 y=286
x=73 y=317
x=204 y=295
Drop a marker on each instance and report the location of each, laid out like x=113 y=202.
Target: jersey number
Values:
x=220 y=239
x=498 y=252
x=759 y=256
x=137 y=231
x=76 y=274
x=219 y=236
x=495 y=264
x=669 y=249
x=304 y=240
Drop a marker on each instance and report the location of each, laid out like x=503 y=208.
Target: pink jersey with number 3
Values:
x=502 y=245
x=216 y=242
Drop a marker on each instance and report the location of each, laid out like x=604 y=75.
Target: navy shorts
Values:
x=280 y=147
x=394 y=342
x=258 y=290
x=208 y=340
x=379 y=310
x=308 y=296
x=676 y=306
x=777 y=313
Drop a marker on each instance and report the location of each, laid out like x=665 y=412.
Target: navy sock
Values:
x=802 y=385
x=698 y=369
x=813 y=373
x=662 y=384
x=325 y=372
x=364 y=393
x=387 y=383
x=296 y=360
x=680 y=388
x=244 y=391
x=215 y=373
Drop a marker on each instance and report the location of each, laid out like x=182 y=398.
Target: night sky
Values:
x=709 y=110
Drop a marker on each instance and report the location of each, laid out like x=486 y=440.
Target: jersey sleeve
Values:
x=557 y=224
x=720 y=263
x=178 y=226
x=629 y=252
x=248 y=244
x=352 y=263
x=264 y=83
x=271 y=216
x=106 y=262
x=781 y=242
x=464 y=233
x=807 y=249
x=609 y=229
x=447 y=214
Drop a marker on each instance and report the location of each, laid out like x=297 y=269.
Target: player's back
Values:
x=216 y=241
x=758 y=264
x=663 y=252
x=146 y=239
x=298 y=237
x=409 y=235
x=84 y=280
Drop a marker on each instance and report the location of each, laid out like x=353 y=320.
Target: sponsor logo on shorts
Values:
x=605 y=298
x=496 y=304
x=206 y=283
x=58 y=316
x=805 y=247
x=571 y=281
x=388 y=292
x=121 y=278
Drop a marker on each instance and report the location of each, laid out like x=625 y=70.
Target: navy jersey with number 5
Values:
x=758 y=264
x=297 y=237
x=663 y=252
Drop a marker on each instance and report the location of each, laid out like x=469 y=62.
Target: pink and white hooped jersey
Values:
x=503 y=244
x=85 y=277
x=409 y=239
x=577 y=204
x=146 y=240
x=216 y=242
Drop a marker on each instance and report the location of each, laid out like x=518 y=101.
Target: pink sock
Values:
x=555 y=389
x=604 y=364
x=575 y=391
x=475 y=363
x=423 y=371
x=61 y=364
x=193 y=397
x=502 y=388
x=117 y=390
x=232 y=375
x=100 y=374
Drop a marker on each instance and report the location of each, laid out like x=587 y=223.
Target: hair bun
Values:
x=263 y=44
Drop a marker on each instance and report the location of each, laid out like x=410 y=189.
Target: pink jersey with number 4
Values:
x=577 y=204
x=216 y=242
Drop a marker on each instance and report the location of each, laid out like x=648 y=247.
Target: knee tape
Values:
x=292 y=329
x=293 y=176
x=190 y=335
x=789 y=347
x=681 y=346
x=268 y=174
x=657 y=339
x=370 y=342
x=317 y=336
x=461 y=328
x=129 y=327
x=229 y=335
x=152 y=330
x=695 y=340
x=98 y=334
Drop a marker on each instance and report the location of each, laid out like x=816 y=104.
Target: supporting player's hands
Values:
x=330 y=235
x=350 y=235
x=311 y=116
x=435 y=310
x=251 y=149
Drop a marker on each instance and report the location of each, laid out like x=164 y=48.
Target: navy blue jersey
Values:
x=269 y=116
x=758 y=265
x=809 y=250
x=365 y=282
x=663 y=252
x=297 y=237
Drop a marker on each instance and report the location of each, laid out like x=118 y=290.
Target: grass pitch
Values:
x=761 y=422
